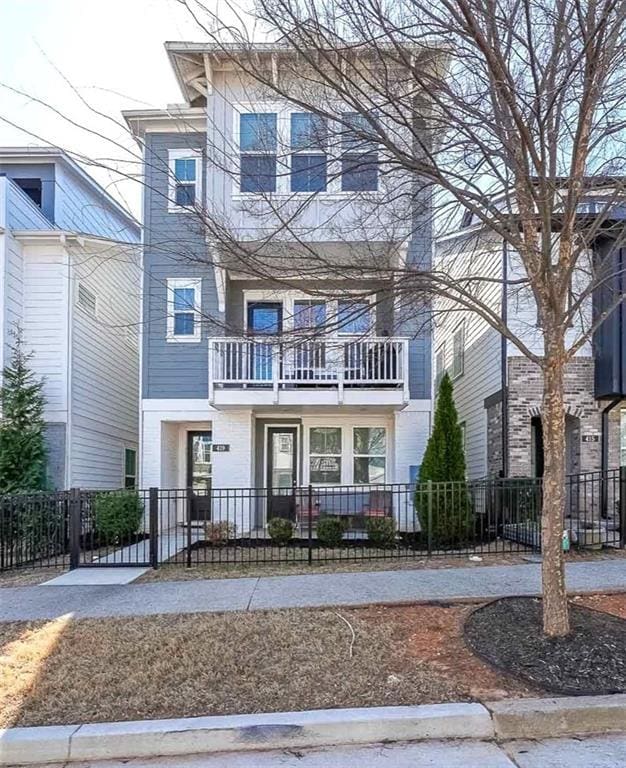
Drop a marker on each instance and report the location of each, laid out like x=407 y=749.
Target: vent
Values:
x=86 y=299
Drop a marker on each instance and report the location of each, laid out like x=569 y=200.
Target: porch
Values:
x=323 y=372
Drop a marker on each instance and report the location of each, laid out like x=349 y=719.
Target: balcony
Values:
x=268 y=371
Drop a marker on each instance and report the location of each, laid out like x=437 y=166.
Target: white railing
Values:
x=338 y=363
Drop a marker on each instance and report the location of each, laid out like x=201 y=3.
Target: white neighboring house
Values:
x=498 y=391
x=70 y=277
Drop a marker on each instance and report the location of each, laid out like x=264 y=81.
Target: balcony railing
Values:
x=337 y=364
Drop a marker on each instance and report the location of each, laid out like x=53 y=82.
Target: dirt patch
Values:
x=591 y=660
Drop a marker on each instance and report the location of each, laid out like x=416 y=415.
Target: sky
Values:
x=109 y=53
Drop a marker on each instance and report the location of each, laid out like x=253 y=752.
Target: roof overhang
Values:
x=177 y=118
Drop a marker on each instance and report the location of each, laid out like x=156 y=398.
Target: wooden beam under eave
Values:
x=208 y=73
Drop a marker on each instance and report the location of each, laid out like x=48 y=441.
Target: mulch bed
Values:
x=591 y=660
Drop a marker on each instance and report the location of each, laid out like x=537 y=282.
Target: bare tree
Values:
x=511 y=110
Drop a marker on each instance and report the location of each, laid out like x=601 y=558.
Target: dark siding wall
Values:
x=610 y=338
x=43 y=171
x=174 y=247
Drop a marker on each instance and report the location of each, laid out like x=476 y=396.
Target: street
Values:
x=591 y=752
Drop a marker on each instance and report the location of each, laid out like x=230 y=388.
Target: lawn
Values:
x=90 y=670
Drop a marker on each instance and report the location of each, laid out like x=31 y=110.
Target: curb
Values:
x=551 y=718
x=518 y=719
x=283 y=730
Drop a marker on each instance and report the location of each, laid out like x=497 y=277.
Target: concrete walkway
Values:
x=589 y=752
x=311 y=590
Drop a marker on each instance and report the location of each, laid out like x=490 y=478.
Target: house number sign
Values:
x=591 y=438
x=221 y=447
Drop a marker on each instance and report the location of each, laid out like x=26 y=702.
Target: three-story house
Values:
x=261 y=368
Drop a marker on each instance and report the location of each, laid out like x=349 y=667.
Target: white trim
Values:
x=183 y=154
x=454 y=375
x=299 y=447
x=289 y=297
x=283 y=111
x=173 y=283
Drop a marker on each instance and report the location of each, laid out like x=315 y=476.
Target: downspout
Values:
x=503 y=364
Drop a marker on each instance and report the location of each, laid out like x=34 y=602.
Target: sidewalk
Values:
x=314 y=590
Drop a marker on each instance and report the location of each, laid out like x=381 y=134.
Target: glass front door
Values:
x=282 y=471
x=199 y=474
x=265 y=318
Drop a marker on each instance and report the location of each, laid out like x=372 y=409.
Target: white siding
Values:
x=482 y=256
x=45 y=322
x=104 y=364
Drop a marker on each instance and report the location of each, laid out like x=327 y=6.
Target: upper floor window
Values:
x=185 y=178
x=183 y=309
x=458 y=351
x=308 y=143
x=32 y=188
x=258 y=147
x=359 y=159
x=353 y=317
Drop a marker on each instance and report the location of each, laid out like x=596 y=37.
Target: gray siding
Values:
x=174 y=247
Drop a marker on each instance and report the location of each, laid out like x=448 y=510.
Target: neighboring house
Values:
x=228 y=397
x=498 y=391
x=70 y=277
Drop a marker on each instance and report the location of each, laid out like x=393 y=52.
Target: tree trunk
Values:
x=555 y=608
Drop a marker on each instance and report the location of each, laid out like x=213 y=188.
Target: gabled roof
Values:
x=57 y=155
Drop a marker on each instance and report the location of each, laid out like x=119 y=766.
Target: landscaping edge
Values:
x=511 y=719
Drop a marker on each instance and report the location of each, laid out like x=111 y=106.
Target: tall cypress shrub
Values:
x=22 y=427
x=444 y=465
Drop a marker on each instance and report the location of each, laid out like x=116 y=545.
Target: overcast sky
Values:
x=111 y=51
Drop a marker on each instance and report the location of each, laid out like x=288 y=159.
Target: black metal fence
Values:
x=302 y=524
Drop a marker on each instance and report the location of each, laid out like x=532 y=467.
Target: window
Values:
x=309 y=138
x=353 y=317
x=87 y=299
x=440 y=365
x=463 y=434
x=309 y=315
x=185 y=178
x=258 y=144
x=359 y=161
x=130 y=468
x=369 y=455
x=458 y=351
x=183 y=309
x=325 y=455
x=32 y=188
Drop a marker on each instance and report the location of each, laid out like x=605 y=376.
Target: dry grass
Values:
x=180 y=666
x=28 y=577
x=176 y=570
x=90 y=670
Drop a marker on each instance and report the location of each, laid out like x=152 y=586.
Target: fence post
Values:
x=154 y=527
x=429 y=490
x=622 y=507
x=310 y=523
x=75 y=527
x=189 y=504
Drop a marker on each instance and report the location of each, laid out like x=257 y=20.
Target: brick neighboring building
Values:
x=488 y=370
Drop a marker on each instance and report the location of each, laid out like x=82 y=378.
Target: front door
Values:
x=282 y=471
x=199 y=474
x=265 y=318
